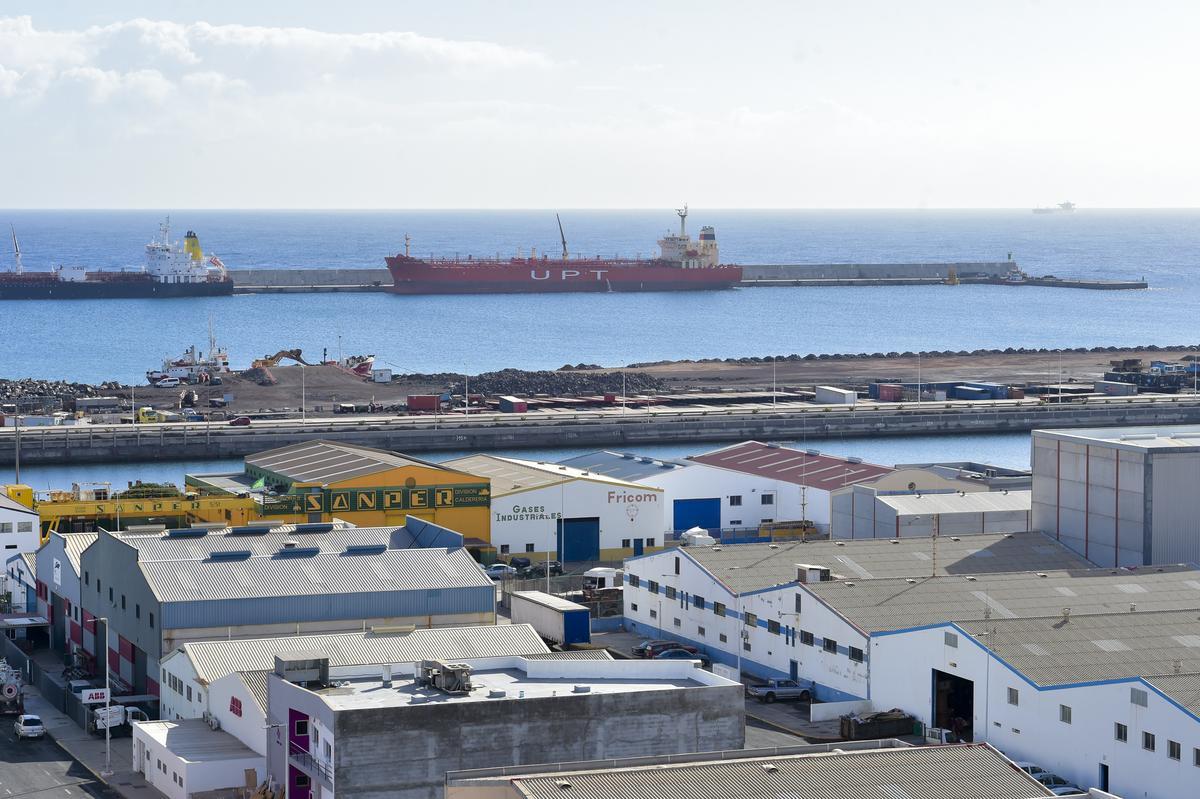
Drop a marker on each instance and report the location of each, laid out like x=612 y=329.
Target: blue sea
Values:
x=120 y=339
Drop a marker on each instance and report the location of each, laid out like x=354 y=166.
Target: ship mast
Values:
x=16 y=251
x=563 y=236
x=682 y=220
x=407 y=241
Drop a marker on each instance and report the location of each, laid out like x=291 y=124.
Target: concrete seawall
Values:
x=91 y=444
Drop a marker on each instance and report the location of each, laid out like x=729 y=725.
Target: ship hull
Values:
x=91 y=290
x=412 y=276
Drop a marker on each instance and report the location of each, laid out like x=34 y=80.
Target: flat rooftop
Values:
x=947 y=504
x=194 y=741
x=513 y=475
x=624 y=465
x=1181 y=436
x=845 y=772
x=534 y=679
x=749 y=567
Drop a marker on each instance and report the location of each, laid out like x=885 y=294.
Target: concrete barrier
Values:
x=196 y=441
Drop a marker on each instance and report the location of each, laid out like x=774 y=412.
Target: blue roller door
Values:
x=578 y=539
x=704 y=513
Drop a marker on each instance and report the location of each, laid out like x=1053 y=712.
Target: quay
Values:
x=620 y=428
x=313 y=281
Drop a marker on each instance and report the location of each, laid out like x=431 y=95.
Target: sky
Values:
x=359 y=105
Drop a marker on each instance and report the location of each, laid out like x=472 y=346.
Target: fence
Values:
x=52 y=690
x=604 y=604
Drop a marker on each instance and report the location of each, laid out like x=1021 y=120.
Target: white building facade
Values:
x=1130 y=735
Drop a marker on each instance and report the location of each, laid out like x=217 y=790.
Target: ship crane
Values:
x=682 y=212
x=18 y=268
x=407 y=242
x=563 y=236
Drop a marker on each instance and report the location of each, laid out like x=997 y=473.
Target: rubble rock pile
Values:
x=527 y=384
x=28 y=387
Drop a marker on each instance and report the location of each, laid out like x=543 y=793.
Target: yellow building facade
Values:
x=318 y=481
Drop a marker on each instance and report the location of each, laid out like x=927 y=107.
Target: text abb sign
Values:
x=94 y=696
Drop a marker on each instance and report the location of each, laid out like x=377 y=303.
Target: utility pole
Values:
x=17 y=456
x=107 y=705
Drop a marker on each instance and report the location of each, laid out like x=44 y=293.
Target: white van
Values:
x=168 y=382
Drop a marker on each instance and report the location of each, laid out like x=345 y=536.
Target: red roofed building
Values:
x=803 y=479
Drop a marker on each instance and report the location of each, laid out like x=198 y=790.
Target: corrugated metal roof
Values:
x=1051 y=651
x=74 y=544
x=946 y=504
x=166 y=547
x=1183 y=688
x=8 y=503
x=212 y=660
x=1132 y=438
x=330 y=462
x=625 y=465
x=748 y=567
x=895 y=604
x=826 y=472
x=573 y=654
x=30 y=559
x=265 y=576
x=937 y=772
x=193 y=740
x=509 y=475
x=256 y=684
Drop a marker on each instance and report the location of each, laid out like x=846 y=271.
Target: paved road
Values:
x=39 y=769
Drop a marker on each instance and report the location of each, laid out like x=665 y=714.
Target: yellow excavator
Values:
x=267 y=361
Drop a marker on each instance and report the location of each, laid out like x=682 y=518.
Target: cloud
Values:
x=143 y=54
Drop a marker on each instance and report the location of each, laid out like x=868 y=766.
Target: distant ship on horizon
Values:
x=1063 y=208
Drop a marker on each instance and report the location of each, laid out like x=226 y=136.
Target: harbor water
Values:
x=96 y=340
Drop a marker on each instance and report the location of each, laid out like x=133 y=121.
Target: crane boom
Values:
x=16 y=251
x=563 y=236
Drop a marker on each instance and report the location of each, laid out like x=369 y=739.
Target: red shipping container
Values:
x=424 y=402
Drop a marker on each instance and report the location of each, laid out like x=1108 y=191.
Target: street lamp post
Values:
x=107 y=704
x=17 y=455
x=303 y=398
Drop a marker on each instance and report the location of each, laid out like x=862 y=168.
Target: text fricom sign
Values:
x=385 y=499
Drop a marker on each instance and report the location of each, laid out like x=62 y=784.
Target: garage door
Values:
x=691 y=513
x=579 y=539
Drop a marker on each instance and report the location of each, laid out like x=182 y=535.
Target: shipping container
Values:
x=1016 y=393
x=513 y=405
x=970 y=393
x=424 y=402
x=381 y=375
x=1113 y=388
x=555 y=619
x=889 y=392
x=829 y=395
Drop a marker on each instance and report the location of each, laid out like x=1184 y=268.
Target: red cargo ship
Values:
x=683 y=265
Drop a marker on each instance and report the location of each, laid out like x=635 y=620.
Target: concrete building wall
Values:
x=404 y=753
x=1032 y=730
x=525 y=519
x=775 y=639
x=175 y=676
x=249 y=726
x=180 y=778
x=700 y=481
x=116 y=589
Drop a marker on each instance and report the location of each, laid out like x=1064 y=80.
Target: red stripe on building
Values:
x=76 y=633
x=125 y=647
x=152 y=687
x=114 y=660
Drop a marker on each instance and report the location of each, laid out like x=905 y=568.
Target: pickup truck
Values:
x=782 y=690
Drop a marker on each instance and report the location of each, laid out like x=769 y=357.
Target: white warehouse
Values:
x=1110 y=701
x=788 y=609
x=1120 y=496
x=576 y=514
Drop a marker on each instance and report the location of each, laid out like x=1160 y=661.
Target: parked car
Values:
x=642 y=650
x=678 y=653
x=500 y=571
x=168 y=382
x=1032 y=769
x=658 y=647
x=519 y=562
x=28 y=726
x=1054 y=782
x=538 y=569
x=774 y=690
x=240 y=421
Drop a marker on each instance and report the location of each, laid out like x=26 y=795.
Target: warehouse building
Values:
x=1109 y=699
x=189 y=671
x=768 y=608
x=1120 y=496
x=802 y=481
x=875 y=514
x=318 y=481
x=396 y=733
x=578 y=515
x=163 y=590
x=728 y=504
x=215 y=692
x=20 y=530
x=20 y=582
x=846 y=770
x=59 y=599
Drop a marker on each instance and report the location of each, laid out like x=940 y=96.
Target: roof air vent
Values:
x=770 y=768
x=910 y=581
x=895 y=540
x=290 y=544
x=1041 y=574
x=854 y=459
x=562 y=784
x=841 y=543
x=497 y=693
x=970 y=578
x=812 y=452
x=849 y=585
x=955 y=538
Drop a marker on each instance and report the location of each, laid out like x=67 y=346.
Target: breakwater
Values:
x=301 y=281
x=628 y=430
